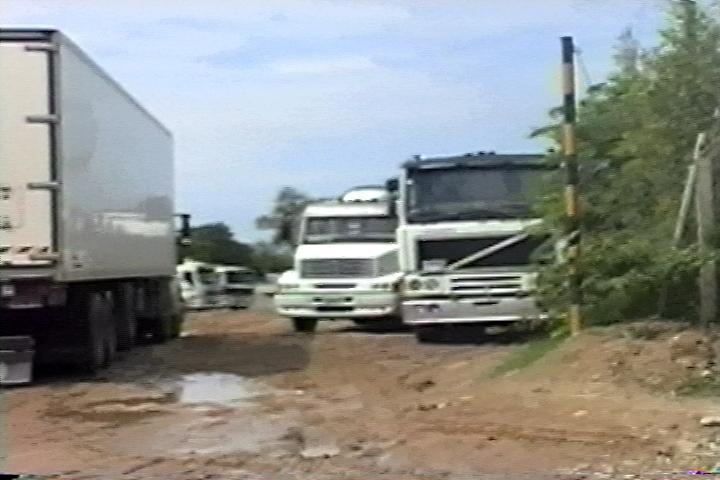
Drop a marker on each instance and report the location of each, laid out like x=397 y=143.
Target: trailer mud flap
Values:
x=16 y=360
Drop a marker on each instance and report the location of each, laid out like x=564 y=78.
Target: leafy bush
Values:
x=636 y=133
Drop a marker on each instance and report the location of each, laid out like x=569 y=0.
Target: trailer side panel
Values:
x=116 y=169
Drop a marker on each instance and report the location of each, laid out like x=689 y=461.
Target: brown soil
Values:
x=359 y=403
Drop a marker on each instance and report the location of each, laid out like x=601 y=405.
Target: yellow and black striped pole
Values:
x=572 y=199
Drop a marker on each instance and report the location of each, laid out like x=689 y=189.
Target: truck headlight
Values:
x=529 y=282
x=432 y=284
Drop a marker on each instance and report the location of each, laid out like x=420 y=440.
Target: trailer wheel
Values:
x=93 y=314
x=162 y=324
x=125 y=317
x=163 y=330
x=177 y=324
x=305 y=325
x=111 y=345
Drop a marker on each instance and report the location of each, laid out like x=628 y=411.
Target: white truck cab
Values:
x=237 y=284
x=199 y=285
x=346 y=264
x=466 y=240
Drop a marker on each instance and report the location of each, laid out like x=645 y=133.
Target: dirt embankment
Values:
x=240 y=394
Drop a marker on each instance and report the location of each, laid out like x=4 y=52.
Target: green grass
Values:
x=527 y=355
x=699 y=387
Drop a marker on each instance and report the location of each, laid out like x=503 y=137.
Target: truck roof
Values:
x=231 y=268
x=347 y=209
x=477 y=160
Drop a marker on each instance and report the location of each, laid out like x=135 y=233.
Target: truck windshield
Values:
x=350 y=229
x=472 y=193
x=207 y=276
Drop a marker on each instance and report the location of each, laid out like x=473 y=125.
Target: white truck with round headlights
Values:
x=346 y=264
x=466 y=237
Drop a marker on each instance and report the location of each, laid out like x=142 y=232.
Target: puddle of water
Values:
x=221 y=389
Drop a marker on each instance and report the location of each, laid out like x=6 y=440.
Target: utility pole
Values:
x=572 y=198
x=705 y=205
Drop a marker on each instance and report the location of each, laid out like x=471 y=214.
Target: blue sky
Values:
x=325 y=95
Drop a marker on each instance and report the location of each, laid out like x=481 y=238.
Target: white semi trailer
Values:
x=87 y=237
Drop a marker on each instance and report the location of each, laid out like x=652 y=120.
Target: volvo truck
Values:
x=467 y=235
x=87 y=234
x=346 y=264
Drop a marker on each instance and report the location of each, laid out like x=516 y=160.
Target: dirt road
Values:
x=241 y=396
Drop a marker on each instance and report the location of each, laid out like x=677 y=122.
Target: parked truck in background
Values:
x=466 y=240
x=346 y=264
x=87 y=237
x=200 y=285
x=237 y=284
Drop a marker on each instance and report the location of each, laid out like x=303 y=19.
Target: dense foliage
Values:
x=636 y=133
x=215 y=243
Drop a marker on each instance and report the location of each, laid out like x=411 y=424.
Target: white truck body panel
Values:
x=111 y=215
x=197 y=293
x=25 y=154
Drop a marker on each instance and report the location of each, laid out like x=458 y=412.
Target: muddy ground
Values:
x=241 y=396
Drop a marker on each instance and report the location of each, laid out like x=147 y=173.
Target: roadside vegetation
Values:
x=636 y=133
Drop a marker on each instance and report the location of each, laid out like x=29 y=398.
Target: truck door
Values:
x=27 y=129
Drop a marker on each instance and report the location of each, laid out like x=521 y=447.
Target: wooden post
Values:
x=572 y=210
x=705 y=205
x=683 y=213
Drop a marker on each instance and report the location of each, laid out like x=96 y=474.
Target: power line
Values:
x=583 y=68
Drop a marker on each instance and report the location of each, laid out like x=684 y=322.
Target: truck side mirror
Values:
x=185 y=232
x=392 y=185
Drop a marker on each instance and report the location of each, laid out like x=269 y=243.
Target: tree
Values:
x=269 y=258
x=215 y=243
x=635 y=135
x=288 y=206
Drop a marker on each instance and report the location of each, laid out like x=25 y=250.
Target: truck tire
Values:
x=92 y=312
x=305 y=325
x=164 y=328
x=429 y=333
x=126 y=322
x=163 y=323
x=177 y=325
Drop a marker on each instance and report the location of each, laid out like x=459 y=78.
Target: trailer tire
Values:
x=93 y=315
x=177 y=325
x=305 y=325
x=126 y=320
x=164 y=328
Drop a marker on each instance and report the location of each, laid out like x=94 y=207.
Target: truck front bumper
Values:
x=237 y=300
x=202 y=303
x=425 y=311
x=355 y=304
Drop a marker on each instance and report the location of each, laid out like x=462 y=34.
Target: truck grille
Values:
x=452 y=250
x=491 y=285
x=338 y=268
